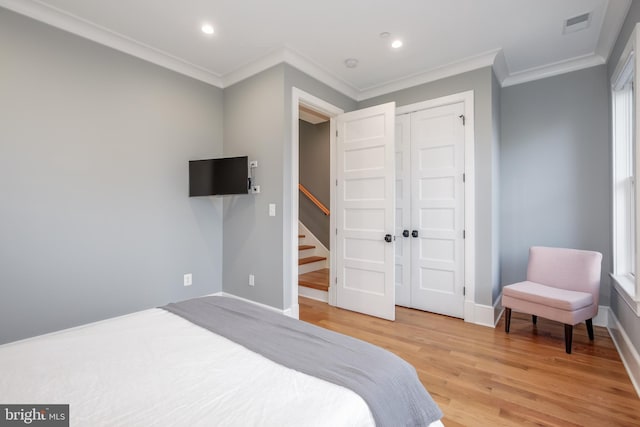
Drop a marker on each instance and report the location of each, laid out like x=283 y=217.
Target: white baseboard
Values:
x=628 y=353
x=487 y=315
x=315 y=294
x=293 y=311
x=483 y=315
x=287 y=312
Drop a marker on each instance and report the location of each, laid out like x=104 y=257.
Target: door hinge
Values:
x=464 y=234
x=336 y=182
x=464 y=177
x=336 y=133
x=464 y=291
x=336 y=280
x=336 y=231
x=464 y=120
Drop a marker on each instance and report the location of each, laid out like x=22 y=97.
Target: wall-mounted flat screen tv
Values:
x=212 y=177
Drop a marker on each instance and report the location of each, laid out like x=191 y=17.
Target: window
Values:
x=625 y=193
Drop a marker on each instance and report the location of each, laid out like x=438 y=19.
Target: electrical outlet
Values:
x=252 y=280
x=188 y=279
x=253 y=164
x=272 y=209
x=255 y=189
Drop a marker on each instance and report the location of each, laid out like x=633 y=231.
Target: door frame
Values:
x=469 y=193
x=300 y=97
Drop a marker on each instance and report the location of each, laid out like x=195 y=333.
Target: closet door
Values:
x=437 y=210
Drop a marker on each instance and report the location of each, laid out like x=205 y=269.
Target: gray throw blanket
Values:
x=388 y=384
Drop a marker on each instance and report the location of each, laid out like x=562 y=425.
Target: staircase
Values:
x=313 y=271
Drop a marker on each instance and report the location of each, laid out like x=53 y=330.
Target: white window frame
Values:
x=625 y=194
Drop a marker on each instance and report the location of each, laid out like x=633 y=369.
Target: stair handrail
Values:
x=315 y=201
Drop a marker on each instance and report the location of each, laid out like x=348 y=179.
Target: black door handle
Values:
x=388 y=238
x=414 y=233
x=405 y=233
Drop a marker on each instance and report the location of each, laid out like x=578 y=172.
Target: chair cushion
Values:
x=562 y=299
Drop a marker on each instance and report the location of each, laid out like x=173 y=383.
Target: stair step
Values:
x=305 y=247
x=318 y=279
x=310 y=259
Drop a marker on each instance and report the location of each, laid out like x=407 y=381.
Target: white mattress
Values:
x=153 y=368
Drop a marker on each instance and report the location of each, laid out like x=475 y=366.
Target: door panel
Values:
x=365 y=202
x=437 y=210
x=403 y=210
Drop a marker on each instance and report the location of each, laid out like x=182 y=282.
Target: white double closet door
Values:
x=429 y=245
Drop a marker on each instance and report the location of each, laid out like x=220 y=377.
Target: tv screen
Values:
x=213 y=177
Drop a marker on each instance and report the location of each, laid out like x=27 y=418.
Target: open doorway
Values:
x=309 y=105
x=313 y=213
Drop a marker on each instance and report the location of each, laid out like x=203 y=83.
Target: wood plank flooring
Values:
x=481 y=376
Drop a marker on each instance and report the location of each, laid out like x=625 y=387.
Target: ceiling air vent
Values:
x=577 y=23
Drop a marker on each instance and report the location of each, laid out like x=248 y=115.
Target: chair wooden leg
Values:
x=568 y=337
x=534 y=319
x=590 y=328
x=507 y=319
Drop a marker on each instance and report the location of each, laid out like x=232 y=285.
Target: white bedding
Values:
x=153 y=368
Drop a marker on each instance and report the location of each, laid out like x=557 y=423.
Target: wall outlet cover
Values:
x=188 y=279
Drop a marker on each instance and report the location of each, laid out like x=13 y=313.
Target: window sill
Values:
x=625 y=286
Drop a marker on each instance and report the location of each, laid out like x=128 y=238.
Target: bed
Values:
x=186 y=364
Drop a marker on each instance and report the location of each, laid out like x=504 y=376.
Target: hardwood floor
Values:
x=481 y=376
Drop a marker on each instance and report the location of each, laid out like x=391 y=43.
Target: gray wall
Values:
x=315 y=163
x=555 y=166
x=95 y=220
x=627 y=318
x=480 y=81
x=253 y=241
x=257 y=122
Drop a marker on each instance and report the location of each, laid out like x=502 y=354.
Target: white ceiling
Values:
x=522 y=39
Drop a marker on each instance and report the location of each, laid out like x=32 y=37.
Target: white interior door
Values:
x=365 y=217
x=437 y=205
x=403 y=210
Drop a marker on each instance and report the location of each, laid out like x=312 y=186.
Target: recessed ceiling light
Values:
x=396 y=44
x=351 y=62
x=207 y=29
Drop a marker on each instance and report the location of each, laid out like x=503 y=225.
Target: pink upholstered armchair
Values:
x=562 y=285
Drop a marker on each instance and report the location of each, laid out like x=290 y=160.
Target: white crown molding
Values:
x=611 y=25
x=555 y=69
x=252 y=68
x=78 y=26
x=294 y=59
x=317 y=72
x=469 y=64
